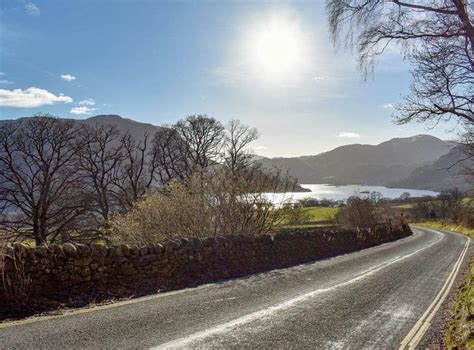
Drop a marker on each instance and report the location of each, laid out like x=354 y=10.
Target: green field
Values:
x=309 y=217
x=404 y=206
x=321 y=213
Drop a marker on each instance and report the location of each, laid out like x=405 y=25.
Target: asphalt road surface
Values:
x=378 y=298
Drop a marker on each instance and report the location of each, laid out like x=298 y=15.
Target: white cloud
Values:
x=82 y=110
x=317 y=77
x=30 y=98
x=87 y=102
x=388 y=106
x=32 y=9
x=348 y=135
x=68 y=77
x=6 y=82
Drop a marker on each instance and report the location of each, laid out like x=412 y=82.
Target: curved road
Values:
x=382 y=297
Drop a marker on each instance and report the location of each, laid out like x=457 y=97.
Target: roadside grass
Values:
x=458 y=334
x=448 y=227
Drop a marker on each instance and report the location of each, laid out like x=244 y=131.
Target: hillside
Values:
x=136 y=129
x=444 y=173
x=386 y=164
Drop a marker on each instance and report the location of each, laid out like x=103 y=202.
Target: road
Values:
x=367 y=299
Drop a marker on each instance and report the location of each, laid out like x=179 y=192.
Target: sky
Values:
x=271 y=65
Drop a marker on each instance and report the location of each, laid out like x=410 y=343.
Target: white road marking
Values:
x=417 y=332
x=269 y=311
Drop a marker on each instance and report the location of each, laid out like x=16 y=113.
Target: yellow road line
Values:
x=414 y=336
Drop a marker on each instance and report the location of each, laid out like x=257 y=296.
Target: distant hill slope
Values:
x=136 y=129
x=444 y=173
x=384 y=164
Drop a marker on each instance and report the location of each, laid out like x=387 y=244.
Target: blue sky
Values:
x=271 y=65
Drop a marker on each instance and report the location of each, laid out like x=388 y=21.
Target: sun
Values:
x=276 y=48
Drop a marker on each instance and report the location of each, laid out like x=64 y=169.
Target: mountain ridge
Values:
x=398 y=162
x=388 y=163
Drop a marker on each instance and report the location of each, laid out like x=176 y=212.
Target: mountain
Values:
x=446 y=172
x=136 y=129
x=384 y=164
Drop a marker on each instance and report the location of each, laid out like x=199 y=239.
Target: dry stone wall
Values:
x=70 y=268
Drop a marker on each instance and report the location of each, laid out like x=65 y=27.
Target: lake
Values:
x=320 y=191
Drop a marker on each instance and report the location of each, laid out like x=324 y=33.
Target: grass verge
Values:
x=448 y=227
x=458 y=333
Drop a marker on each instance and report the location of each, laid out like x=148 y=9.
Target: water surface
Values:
x=321 y=191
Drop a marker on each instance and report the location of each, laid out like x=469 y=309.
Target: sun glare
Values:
x=276 y=49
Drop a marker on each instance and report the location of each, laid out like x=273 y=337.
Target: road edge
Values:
x=424 y=325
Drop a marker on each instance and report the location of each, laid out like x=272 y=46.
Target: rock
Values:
x=57 y=249
x=118 y=251
x=143 y=250
x=75 y=279
x=85 y=261
x=42 y=252
x=62 y=277
x=170 y=247
x=125 y=249
x=96 y=276
x=69 y=249
x=134 y=250
x=83 y=249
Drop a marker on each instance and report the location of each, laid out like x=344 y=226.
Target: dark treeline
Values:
x=61 y=180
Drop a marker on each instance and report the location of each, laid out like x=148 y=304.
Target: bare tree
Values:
x=100 y=161
x=450 y=205
x=39 y=183
x=437 y=37
x=237 y=156
x=467 y=147
x=169 y=151
x=203 y=138
x=137 y=171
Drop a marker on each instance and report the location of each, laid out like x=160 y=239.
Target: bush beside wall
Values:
x=71 y=268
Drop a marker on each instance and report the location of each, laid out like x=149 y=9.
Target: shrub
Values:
x=294 y=214
x=360 y=213
x=216 y=203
